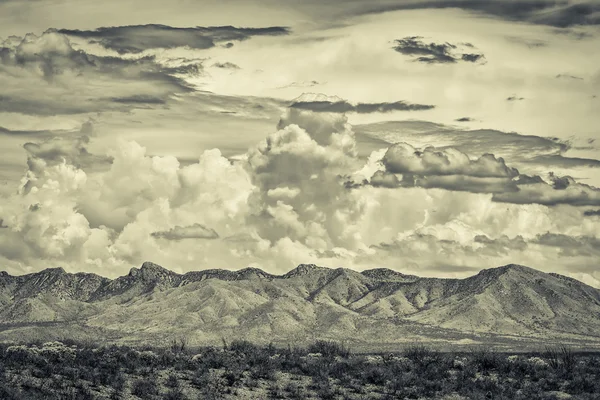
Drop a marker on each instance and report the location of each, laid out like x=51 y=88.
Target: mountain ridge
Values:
x=374 y=305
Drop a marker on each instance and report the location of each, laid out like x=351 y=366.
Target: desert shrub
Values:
x=263 y=370
x=323 y=388
x=211 y=385
x=329 y=349
x=179 y=345
x=560 y=357
x=144 y=388
x=295 y=390
x=486 y=360
x=421 y=354
x=172 y=381
x=275 y=391
x=175 y=393
x=374 y=375
x=242 y=346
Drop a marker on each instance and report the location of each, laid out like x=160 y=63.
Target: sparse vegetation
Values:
x=323 y=370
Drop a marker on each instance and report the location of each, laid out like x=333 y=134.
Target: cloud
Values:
x=453 y=170
x=321 y=103
x=514 y=98
x=502 y=244
x=557 y=160
x=45 y=75
x=308 y=156
x=402 y=158
x=513 y=146
x=465 y=183
x=433 y=53
x=284 y=202
x=226 y=65
x=196 y=231
x=561 y=13
x=567 y=76
x=591 y=213
x=561 y=190
x=385 y=179
x=137 y=38
x=565 y=15
x=464 y=119
x=571 y=245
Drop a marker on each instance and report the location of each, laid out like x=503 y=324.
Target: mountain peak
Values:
x=251 y=272
x=304 y=269
x=387 y=274
x=151 y=272
x=53 y=271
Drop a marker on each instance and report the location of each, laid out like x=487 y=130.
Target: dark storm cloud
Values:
x=360 y=108
x=572 y=14
x=433 y=53
x=464 y=119
x=196 y=231
x=137 y=38
x=514 y=98
x=67 y=72
x=557 y=13
x=591 y=213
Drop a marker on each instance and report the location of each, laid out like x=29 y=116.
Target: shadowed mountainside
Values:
x=375 y=306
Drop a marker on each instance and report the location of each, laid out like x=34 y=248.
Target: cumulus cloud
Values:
x=196 y=231
x=434 y=53
x=402 y=158
x=137 y=38
x=512 y=145
x=561 y=190
x=282 y=203
x=403 y=166
x=307 y=157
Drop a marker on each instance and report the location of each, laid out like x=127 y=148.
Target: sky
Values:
x=431 y=137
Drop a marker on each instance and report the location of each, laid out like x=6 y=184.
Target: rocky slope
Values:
x=379 y=305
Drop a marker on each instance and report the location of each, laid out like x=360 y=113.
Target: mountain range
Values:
x=507 y=305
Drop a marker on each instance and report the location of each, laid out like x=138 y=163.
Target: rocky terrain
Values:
x=505 y=305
